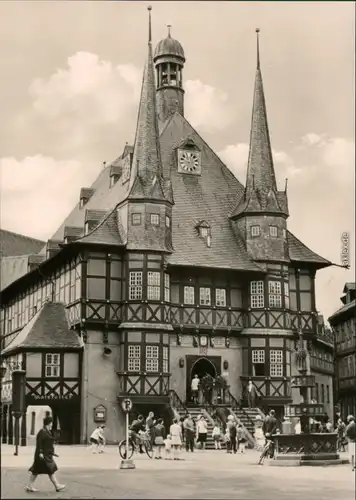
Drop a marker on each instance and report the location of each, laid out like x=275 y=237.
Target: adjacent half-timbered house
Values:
x=168 y=266
x=343 y=323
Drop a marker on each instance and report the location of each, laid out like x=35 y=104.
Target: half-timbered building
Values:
x=343 y=323
x=166 y=267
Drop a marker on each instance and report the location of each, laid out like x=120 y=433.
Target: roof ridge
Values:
x=22 y=236
x=107 y=215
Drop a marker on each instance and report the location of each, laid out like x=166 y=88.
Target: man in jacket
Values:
x=189 y=431
x=137 y=426
x=350 y=433
x=150 y=423
x=270 y=424
x=251 y=395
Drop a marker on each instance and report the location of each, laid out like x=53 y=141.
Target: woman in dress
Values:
x=43 y=461
x=202 y=431
x=176 y=438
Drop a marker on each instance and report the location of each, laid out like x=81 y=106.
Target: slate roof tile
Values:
x=49 y=327
x=347 y=307
x=12 y=244
x=105 y=233
x=301 y=253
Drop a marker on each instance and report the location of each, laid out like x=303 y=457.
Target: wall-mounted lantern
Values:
x=226 y=365
x=107 y=351
x=181 y=362
x=227 y=342
x=100 y=414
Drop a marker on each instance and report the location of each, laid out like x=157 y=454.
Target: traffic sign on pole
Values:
x=126 y=405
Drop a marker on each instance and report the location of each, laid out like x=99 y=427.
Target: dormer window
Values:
x=85 y=195
x=284 y=233
x=168 y=221
x=255 y=231
x=204 y=231
x=115 y=173
x=273 y=231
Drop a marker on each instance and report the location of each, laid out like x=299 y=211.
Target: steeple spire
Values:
x=260 y=170
x=147 y=156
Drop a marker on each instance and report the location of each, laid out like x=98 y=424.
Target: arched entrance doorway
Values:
x=201 y=366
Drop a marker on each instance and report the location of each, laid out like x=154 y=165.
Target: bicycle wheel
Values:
x=149 y=449
x=122 y=449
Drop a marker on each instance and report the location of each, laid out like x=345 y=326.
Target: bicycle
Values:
x=268 y=450
x=144 y=440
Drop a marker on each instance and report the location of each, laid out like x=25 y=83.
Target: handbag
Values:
x=159 y=441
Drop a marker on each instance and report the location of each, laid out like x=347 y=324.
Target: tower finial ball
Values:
x=149 y=7
x=257 y=30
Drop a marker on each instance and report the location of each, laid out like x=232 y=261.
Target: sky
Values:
x=70 y=84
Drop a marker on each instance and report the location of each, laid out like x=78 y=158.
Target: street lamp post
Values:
x=18 y=402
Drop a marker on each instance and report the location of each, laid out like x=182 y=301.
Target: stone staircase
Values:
x=247 y=416
x=195 y=411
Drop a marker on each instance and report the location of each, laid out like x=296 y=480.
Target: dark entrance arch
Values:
x=201 y=365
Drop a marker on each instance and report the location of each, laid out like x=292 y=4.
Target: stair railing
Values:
x=234 y=403
x=249 y=436
x=175 y=401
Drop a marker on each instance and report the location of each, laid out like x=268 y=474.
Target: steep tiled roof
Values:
x=49 y=327
x=261 y=194
x=349 y=286
x=146 y=161
x=347 y=307
x=12 y=244
x=208 y=197
x=105 y=233
x=300 y=253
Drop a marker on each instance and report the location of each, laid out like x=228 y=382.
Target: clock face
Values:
x=189 y=162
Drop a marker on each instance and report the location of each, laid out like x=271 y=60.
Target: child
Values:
x=241 y=438
x=97 y=439
x=176 y=438
x=216 y=435
x=159 y=433
x=167 y=447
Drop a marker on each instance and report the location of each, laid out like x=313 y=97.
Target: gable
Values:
x=207 y=197
x=13 y=244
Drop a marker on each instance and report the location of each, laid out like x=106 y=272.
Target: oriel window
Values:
x=205 y=296
x=153 y=285
x=257 y=294
x=275 y=294
x=258 y=363
x=135 y=285
x=189 y=295
x=52 y=365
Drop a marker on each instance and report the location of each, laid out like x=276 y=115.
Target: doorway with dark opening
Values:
x=201 y=366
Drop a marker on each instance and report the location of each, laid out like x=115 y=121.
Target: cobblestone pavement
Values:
x=207 y=475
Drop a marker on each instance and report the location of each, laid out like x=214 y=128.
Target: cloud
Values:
x=94 y=91
x=38 y=192
x=88 y=88
x=312 y=139
x=321 y=173
x=206 y=107
x=236 y=157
